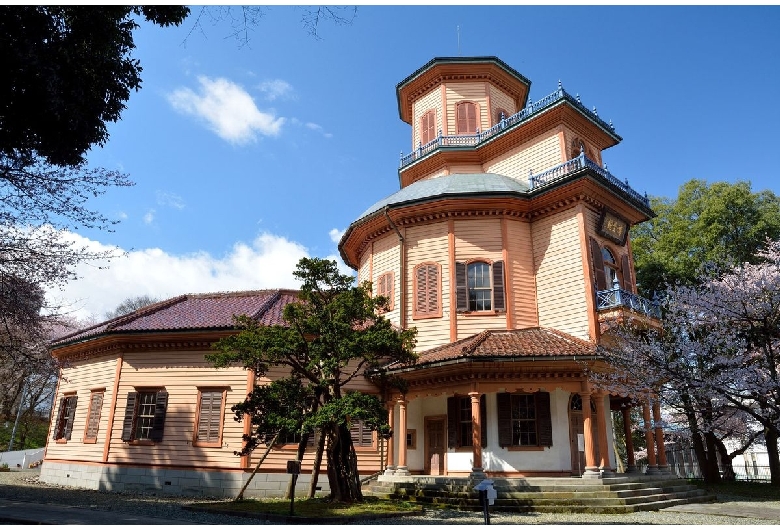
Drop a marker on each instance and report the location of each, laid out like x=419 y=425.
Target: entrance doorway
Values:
x=576 y=428
x=435 y=444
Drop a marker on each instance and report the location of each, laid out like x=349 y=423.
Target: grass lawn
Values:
x=748 y=491
x=317 y=507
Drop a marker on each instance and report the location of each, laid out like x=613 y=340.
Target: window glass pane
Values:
x=480 y=292
x=145 y=417
x=523 y=419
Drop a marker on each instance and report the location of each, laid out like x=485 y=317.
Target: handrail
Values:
x=581 y=162
x=617 y=297
x=524 y=114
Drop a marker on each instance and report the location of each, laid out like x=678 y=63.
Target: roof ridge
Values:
x=265 y=306
x=143 y=311
x=478 y=339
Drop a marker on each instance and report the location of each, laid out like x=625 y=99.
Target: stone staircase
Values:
x=619 y=494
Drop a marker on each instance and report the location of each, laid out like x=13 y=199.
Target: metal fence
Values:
x=750 y=467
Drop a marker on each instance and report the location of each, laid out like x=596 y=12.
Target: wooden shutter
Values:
x=499 y=300
x=453 y=419
x=93 y=418
x=209 y=416
x=543 y=419
x=625 y=269
x=467 y=118
x=158 y=425
x=504 y=419
x=71 y=406
x=598 y=265
x=59 y=427
x=385 y=288
x=128 y=425
x=461 y=287
x=426 y=297
x=483 y=419
x=428 y=127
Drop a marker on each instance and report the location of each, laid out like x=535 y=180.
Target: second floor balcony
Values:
x=617 y=298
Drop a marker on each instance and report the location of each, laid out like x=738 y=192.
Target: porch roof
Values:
x=530 y=343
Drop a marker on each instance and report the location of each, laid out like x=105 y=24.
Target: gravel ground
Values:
x=25 y=486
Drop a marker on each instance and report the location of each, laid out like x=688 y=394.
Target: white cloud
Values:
x=227 y=109
x=149 y=217
x=336 y=235
x=165 y=198
x=276 y=88
x=319 y=129
x=267 y=263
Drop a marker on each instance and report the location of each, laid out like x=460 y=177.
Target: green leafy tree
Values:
x=718 y=225
x=333 y=335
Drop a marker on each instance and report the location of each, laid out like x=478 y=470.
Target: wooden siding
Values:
x=475 y=92
x=465 y=168
x=478 y=239
x=429 y=243
x=82 y=377
x=501 y=100
x=387 y=258
x=618 y=251
x=180 y=374
x=430 y=101
x=537 y=155
x=521 y=261
x=364 y=269
x=560 y=282
x=592 y=151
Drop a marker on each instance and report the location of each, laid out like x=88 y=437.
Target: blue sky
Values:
x=247 y=157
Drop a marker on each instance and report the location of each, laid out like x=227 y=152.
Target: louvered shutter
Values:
x=427 y=132
x=499 y=300
x=158 y=425
x=625 y=268
x=95 y=406
x=453 y=418
x=210 y=415
x=483 y=419
x=504 y=401
x=128 y=424
x=389 y=290
x=432 y=289
x=420 y=303
x=59 y=427
x=598 y=265
x=543 y=418
x=71 y=405
x=461 y=287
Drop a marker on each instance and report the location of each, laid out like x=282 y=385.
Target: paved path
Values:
x=756 y=510
x=20 y=512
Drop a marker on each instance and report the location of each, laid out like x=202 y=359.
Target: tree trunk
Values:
x=726 y=460
x=342 y=467
x=315 y=471
x=709 y=472
x=771 y=437
x=299 y=457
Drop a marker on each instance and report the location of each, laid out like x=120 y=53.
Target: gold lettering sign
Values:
x=613 y=227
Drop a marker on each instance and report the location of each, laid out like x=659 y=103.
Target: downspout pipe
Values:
x=402 y=275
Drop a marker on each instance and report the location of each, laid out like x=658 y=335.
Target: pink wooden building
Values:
x=507 y=248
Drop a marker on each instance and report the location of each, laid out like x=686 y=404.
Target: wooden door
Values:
x=435 y=445
x=576 y=427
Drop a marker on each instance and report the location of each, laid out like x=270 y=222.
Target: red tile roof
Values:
x=194 y=311
x=517 y=343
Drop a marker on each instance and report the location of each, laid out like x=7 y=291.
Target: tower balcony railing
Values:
x=531 y=109
x=616 y=298
x=578 y=163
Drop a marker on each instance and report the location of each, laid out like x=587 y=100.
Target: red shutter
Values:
x=625 y=267
x=466 y=118
x=426 y=297
x=428 y=127
x=598 y=265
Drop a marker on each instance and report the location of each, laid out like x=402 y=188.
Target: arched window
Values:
x=466 y=117
x=501 y=114
x=610 y=267
x=480 y=286
x=428 y=127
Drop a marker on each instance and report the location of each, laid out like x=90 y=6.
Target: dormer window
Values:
x=428 y=127
x=466 y=113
